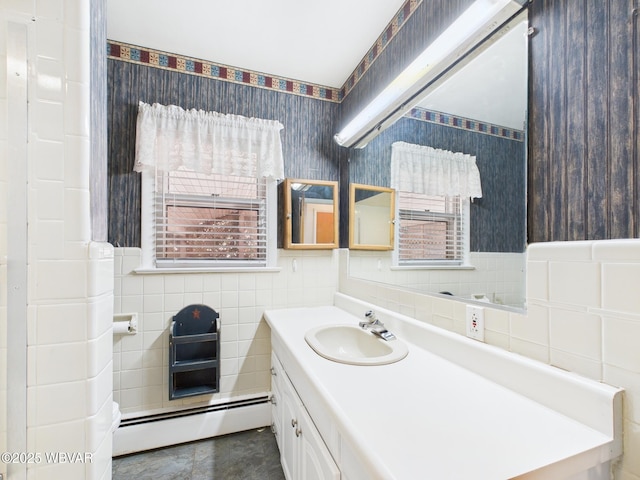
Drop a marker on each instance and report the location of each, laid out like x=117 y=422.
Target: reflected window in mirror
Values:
x=431 y=230
x=433 y=188
x=371 y=217
x=311 y=214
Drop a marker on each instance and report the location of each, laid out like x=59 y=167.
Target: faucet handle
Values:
x=371 y=319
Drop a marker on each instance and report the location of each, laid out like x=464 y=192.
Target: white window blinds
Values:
x=431 y=229
x=201 y=217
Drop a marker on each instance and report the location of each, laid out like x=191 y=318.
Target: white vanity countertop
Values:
x=427 y=417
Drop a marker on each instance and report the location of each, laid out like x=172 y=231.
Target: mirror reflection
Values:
x=480 y=110
x=371 y=213
x=311 y=214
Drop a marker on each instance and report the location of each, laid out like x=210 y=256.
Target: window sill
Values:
x=432 y=267
x=168 y=271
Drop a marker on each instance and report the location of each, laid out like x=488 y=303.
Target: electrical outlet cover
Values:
x=475 y=322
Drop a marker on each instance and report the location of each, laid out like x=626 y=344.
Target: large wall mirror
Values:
x=311 y=214
x=478 y=108
x=371 y=213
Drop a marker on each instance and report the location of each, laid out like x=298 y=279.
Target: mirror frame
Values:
x=352 y=217
x=288 y=221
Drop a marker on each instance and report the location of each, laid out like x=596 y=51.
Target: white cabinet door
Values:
x=289 y=449
x=316 y=463
x=303 y=453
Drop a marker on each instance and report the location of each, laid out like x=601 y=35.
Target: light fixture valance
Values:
x=169 y=137
x=430 y=171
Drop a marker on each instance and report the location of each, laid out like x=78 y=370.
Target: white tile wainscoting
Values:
x=140 y=372
x=500 y=276
x=582 y=315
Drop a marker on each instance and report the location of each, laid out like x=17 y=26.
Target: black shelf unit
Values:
x=194 y=349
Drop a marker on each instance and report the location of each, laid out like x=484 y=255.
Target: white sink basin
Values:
x=354 y=345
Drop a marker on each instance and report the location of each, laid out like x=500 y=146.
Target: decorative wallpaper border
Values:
x=193 y=66
x=183 y=64
x=465 y=124
x=189 y=65
x=391 y=30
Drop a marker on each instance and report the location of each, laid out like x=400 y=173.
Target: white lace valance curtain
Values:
x=169 y=137
x=427 y=170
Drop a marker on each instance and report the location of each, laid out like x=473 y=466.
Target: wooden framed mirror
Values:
x=371 y=217
x=311 y=214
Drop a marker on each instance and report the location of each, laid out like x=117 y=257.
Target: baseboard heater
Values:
x=171 y=428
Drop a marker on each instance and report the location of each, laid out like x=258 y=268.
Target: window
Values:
x=431 y=229
x=207 y=220
x=208 y=187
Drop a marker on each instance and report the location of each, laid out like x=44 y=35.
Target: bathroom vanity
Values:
x=451 y=408
x=303 y=452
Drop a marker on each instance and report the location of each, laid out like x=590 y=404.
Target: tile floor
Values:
x=250 y=455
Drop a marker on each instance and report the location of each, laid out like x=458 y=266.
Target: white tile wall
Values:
x=140 y=362
x=574 y=283
x=583 y=315
x=70 y=280
x=498 y=276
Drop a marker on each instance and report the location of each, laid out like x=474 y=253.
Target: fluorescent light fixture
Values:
x=476 y=23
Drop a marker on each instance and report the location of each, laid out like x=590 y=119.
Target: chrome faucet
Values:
x=376 y=326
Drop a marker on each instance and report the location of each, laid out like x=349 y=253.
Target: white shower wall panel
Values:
x=69 y=279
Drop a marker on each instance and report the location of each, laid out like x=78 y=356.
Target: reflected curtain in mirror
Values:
x=432 y=171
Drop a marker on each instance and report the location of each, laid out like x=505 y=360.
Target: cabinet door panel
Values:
x=316 y=463
x=303 y=453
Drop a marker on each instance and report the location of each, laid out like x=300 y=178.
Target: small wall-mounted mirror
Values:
x=371 y=217
x=311 y=214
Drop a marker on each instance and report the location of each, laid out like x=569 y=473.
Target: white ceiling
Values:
x=319 y=43
x=315 y=42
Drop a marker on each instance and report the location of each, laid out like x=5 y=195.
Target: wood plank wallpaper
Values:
x=308 y=147
x=583 y=173
x=583 y=179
